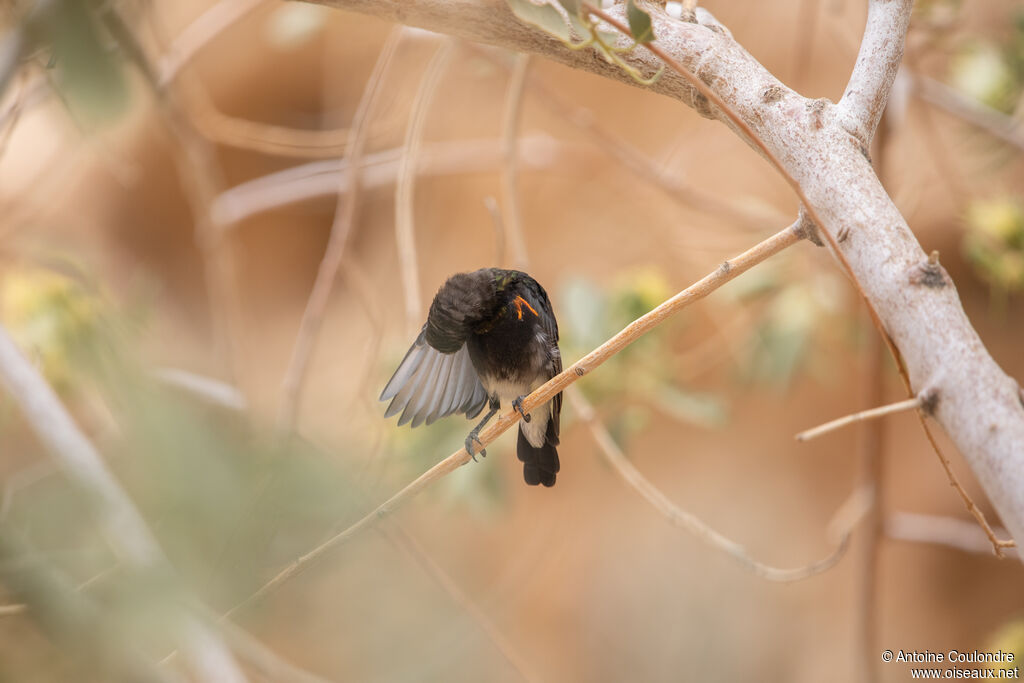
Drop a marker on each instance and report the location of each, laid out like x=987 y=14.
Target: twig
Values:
x=402 y=538
x=948 y=531
x=871 y=452
x=510 y=123
x=636 y=161
x=997 y=544
x=209 y=389
x=262 y=658
x=124 y=529
x=265 y=138
x=200 y=32
x=201 y=181
x=326 y=178
x=729 y=270
x=499 y=229
x=405 y=234
x=806 y=30
x=344 y=217
x=992 y=121
x=687 y=521
x=871 y=414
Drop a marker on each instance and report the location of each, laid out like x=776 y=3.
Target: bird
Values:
x=491 y=338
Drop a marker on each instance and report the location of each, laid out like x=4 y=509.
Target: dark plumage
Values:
x=490 y=337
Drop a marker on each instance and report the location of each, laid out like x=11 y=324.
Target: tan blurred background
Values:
x=585 y=581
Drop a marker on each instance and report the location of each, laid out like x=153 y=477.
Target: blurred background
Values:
x=169 y=176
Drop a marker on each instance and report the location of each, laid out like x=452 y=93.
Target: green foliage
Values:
x=639 y=23
x=644 y=373
x=990 y=71
x=53 y=316
x=980 y=71
x=87 y=73
x=994 y=242
x=570 y=22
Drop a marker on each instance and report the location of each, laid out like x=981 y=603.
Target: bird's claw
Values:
x=471 y=449
x=517 y=405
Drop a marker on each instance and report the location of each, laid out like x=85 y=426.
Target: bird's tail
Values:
x=539 y=464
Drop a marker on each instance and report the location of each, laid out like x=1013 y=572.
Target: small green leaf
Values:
x=573 y=7
x=639 y=23
x=545 y=17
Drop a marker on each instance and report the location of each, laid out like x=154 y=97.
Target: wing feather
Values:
x=429 y=385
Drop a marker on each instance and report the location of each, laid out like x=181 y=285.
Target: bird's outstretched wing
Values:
x=429 y=385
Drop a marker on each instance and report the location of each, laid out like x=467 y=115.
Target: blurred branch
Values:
x=124 y=529
x=262 y=658
x=324 y=178
x=199 y=174
x=806 y=22
x=687 y=521
x=872 y=414
x=499 y=229
x=207 y=26
x=266 y=138
x=636 y=161
x=510 y=125
x=959 y=534
x=729 y=270
x=992 y=121
x=72 y=621
x=405 y=233
x=344 y=218
x=208 y=389
x=409 y=544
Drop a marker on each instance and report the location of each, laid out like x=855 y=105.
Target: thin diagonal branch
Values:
x=689 y=522
x=729 y=270
x=871 y=414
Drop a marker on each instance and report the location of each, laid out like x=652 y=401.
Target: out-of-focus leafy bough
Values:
x=223 y=500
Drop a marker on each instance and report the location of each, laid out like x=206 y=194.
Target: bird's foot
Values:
x=517 y=405
x=471 y=449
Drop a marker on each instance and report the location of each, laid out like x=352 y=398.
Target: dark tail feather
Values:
x=539 y=464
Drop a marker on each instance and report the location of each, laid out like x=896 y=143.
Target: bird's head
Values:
x=464 y=301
